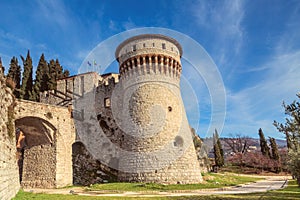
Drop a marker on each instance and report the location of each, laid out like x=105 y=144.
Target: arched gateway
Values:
x=45 y=134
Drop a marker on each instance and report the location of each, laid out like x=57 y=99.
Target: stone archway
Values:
x=36 y=148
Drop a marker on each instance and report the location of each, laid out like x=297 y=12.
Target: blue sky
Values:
x=254 y=44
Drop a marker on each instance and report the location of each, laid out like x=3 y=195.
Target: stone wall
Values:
x=144 y=130
x=39 y=167
x=9 y=174
x=87 y=170
x=62 y=136
x=70 y=88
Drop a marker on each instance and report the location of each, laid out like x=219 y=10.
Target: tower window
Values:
x=153 y=44
x=144 y=45
x=163 y=46
x=134 y=47
x=107 y=102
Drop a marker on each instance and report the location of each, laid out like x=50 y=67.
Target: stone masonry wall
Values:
x=9 y=174
x=61 y=120
x=39 y=167
x=87 y=170
x=153 y=118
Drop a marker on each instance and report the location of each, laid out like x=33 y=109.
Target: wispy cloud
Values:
x=257 y=106
x=8 y=38
x=54 y=12
x=223 y=19
x=129 y=24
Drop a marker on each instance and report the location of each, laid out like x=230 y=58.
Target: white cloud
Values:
x=257 y=106
x=223 y=18
x=53 y=12
x=129 y=24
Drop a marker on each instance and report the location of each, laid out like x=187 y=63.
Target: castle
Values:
x=131 y=126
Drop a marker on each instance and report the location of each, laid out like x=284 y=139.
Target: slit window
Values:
x=107 y=102
x=134 y=47
x=163 y=46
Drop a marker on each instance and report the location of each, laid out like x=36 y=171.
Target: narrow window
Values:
x=107 y=102
x=144 y=45
x=82 y=85
x=163 y=46
x=172 y=49
x=153 y=44
x=134 y=47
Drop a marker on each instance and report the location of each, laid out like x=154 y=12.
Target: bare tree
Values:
x=239 y=143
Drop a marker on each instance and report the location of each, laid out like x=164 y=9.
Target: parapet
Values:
x=149 y=54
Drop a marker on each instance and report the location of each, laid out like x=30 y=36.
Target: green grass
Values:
x=211 y=181
x=41 y=196
x=291 y=192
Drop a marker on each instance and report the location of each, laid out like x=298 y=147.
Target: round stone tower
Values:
x=157 y=141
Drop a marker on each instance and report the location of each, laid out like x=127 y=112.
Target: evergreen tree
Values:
x=59 y=70
x=66 y=73
x=14 y=73
x=291 y=128
x=27 y=81
x=42 y=77
x=2 y=69
x=53 y=74
x=265 y=150
x=289 y=143
x=56 y=72
x=218 y=150
x=274 y=149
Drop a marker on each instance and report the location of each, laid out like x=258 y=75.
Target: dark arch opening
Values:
x=86 y=169
x=153 y=59
x=141 y=61
x=35 y=143
x=159 y=59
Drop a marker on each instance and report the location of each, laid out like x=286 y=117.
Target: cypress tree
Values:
x=56 y=72
x=59 y=70
x=27 y=81
x=42 y=77
x=53 y=74
x=14 y=73
x=218 y=150
x=66 y=73
x=265 y=150
x=274 y=149
x=2 y=69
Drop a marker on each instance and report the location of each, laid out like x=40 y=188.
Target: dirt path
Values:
x=270 y=183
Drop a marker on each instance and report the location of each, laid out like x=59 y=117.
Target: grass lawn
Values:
x=290 y=192
x=211 y=180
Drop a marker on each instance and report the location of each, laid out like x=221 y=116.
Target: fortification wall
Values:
x=9 y=174
x=39 y=167
x=70 y=88
x=166 y=142
x=60 y=120
x=148 y=108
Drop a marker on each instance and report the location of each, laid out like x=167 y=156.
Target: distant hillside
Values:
x=252 y=144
